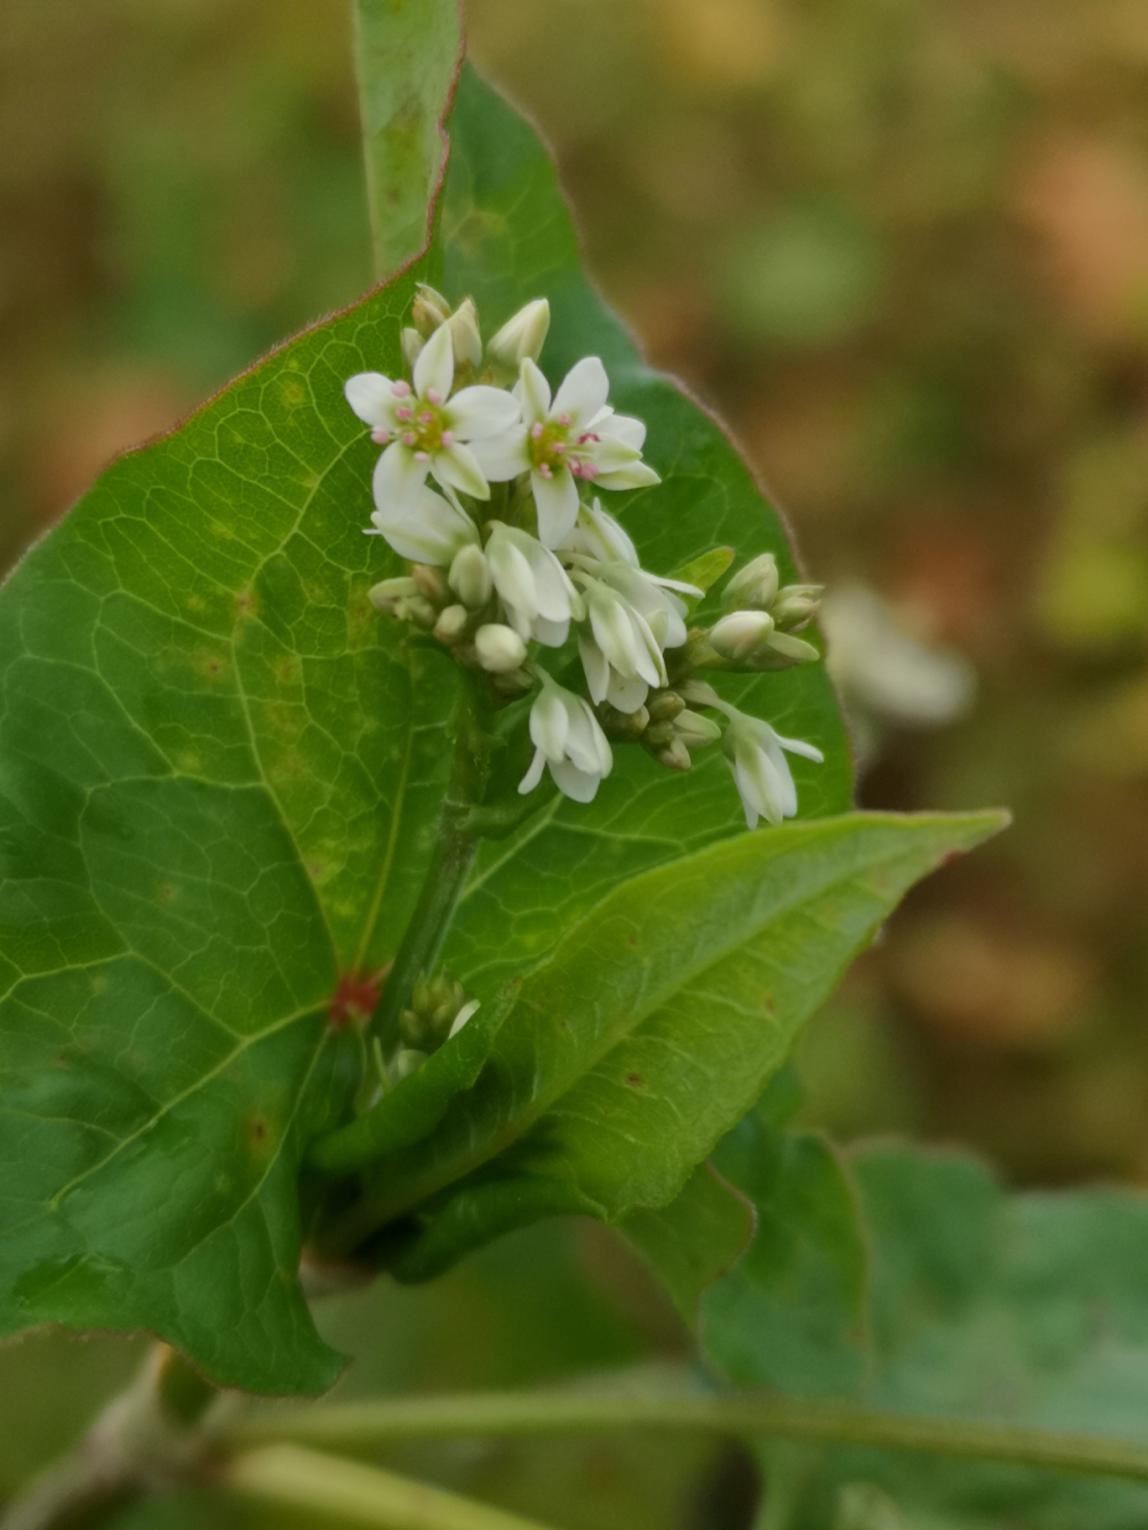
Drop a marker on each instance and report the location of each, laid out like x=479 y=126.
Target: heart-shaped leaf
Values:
x=220 y=773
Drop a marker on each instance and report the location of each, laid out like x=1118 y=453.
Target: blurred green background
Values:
x=902 y=245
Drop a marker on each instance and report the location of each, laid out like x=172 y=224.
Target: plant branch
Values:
x=446 y=871
x=146 y=1437
x=346 y=1493
x=353 y=1427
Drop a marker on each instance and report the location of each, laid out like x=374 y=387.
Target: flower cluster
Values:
x=489 y=484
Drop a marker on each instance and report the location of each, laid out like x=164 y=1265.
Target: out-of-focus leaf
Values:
x=975 y=1305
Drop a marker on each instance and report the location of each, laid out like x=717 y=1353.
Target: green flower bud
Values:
x=467 y=342
x=753 y=587
x=499 y=648
x=741 y=634
x=665 y=706
x=412 y=344
x=452 y=623
x=469 y=576
x=429 y=310
x=796 y=606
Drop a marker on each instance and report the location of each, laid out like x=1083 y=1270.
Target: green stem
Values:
x=446 y=871
x=345 y=1493
x=352 y=1427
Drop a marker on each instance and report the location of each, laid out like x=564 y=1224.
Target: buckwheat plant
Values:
x=369 y=898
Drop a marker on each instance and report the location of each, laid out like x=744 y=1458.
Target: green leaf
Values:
x=653 y=1028
x=407 y=58
x=912 y=1283
x=220 y=774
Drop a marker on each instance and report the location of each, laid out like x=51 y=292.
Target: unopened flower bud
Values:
x=522 y=336
x=390 y=594
x=412 y=344
x=665 y=706
x=451 y=624
x=429 y=310
x=796 y=606
x=695 y=731
x=675 y=756
x=429 y=582
x=499 y=648
x=408 y=1061
x=467 y=342
x=469 y=576
x=741 y=634
x=624 y=725
x=753 y=587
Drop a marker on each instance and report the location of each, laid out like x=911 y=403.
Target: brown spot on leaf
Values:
x=635 y=1080
x=355 y=999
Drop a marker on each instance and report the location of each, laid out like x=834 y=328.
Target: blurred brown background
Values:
x=903 y=246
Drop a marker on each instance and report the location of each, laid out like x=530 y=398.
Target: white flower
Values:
x=657 y=600
x=577 y=436
x=756 y=755
x=427 y=528
x=521 y=336
x=620 y=654
x=600 y=536
x=568 y=740
x=534 y=588
x=499 y=648
x=427 y=430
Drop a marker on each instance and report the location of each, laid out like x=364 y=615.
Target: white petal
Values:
x=456 y=465
x=532 y=777
x=512 y=575
x=434 y=370
x=586 y=744
x=748 y=798
x=578 y=785
x=550 y=722
x=533 y=391
x=583 y=391
x=478 y=412
x=554 y=590
x=595 y=666
x=799 y=746
x=550 y=634
x=634 y=475
x=626 y=695
x=556 y=500
x=624 y=428
x=502 y=457
x=427 y=529
x=369 y=395
x=398 y=479
x=609 y=456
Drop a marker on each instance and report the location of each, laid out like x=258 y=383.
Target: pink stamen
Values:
x=536 y=431
x=559 y=448
x=409 y=438
x=447 y=438
x=434 y=396
x=400 y=389
x=426 y=417
x=546 y=470
x=422 y=456
x=564 y=420
x=380 y=435
x=589 y=470
x=588 y=436
x=404 y=412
